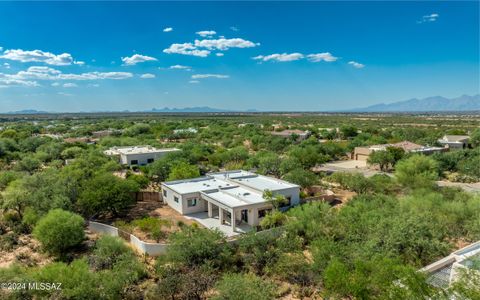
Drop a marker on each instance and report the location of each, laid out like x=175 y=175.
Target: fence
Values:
x=153 y=249
x=148 y=196
x=156 y=249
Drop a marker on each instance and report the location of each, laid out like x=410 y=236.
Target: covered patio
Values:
x=213 y=222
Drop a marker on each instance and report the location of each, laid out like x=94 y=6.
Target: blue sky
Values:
x=71 y=56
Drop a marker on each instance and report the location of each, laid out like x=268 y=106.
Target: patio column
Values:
x=220 y=215
x=210 y=209
x=233 y=220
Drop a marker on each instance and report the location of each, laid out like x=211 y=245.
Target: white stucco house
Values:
x=138 y=155
x=233 y=197
x=455 y=142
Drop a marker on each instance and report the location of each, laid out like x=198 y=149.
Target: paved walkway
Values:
x=214 y=223
x=469 y=187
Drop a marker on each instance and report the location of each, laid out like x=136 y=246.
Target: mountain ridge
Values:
x=435 y=103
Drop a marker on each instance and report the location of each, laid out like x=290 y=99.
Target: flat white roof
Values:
x=229 y=179
x=197 y=185
x=254 y=181
x=137 y=150
x=235 y=197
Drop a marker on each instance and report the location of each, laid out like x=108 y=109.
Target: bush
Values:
x=244 y=287
x=197 y=246
x=274 y=219
x=108 y=250
x=59 y=231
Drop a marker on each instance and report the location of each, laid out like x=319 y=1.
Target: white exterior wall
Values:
x=293 y=193
x=169 y=199
x=182 y=205
x=142 y=158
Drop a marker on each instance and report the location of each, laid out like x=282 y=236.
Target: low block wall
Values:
x=103 y=228
x=152 y=249
x=156 y=249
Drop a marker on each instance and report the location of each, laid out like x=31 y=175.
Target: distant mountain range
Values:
x=27 y=112
x=430 y=104
x=437 y=103
x=201 y=109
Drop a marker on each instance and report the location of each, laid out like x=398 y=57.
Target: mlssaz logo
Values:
x=44 y=286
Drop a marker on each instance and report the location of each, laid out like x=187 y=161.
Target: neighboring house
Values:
x=85 y=140
x=232 y=197
x=138 y=155
x=185 y=131
x=455 y=142
x=444 y=272
x=362 y=153
x=103 y=133
x=301 y=135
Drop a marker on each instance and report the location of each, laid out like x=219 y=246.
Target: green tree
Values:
x=301 y=177
x=183 y=170
x=106 y=193
x=475 y=137
x=381 y=158
x=417 y=171
x=59 y=231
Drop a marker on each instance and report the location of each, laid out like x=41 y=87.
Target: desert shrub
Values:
x=59 y=231
x=244 y=287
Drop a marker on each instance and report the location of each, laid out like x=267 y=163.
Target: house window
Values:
x=164 y=193
x=134 y=162
x=192 y=202
x=150 y=160
x=263 y=212
x=175 y=198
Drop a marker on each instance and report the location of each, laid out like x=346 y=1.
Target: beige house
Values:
x=362 y=153
x=232 y=197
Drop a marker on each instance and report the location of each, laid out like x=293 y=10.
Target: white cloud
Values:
x=147 y=76
x=80 y=63
x=65 y=94
x=93 y=85
x=69 y=85
x=6 y=65
x=219 y=54
x=202 y=76
x=205 y=33
x=56 y=84
x=38 y=56
x=429 y=18
x=283 y=57
x=136 y=58
x=186 y=49
x=202 y=48
x=34 y=73
x=233 y=28
x=194 y=81
x=180 y=67
x=356 y=64
x=168 y=29
x=8 y=82
x=326 y=56
x=224 y=44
